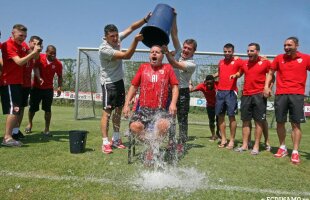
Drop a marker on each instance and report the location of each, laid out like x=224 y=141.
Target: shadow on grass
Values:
x=35 y=137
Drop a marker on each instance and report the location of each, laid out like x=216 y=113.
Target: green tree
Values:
x=68 y=74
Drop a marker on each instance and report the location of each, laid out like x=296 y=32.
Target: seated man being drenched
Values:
x=154 y=79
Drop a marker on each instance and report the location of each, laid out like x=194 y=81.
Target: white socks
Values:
x=115 y=136
x=295 y=151
x=105 y=141
x=15 y=131
x=283 y=147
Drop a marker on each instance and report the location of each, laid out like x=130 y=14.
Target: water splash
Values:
x=182 y=179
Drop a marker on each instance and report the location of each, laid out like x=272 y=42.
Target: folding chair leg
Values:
x=129 y=148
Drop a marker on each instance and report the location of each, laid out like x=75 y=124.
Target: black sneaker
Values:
x=15 y=136
x=20 y=135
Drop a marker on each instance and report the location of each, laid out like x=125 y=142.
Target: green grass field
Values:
x=45 y=169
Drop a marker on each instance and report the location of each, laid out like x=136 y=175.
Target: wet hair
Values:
x=209 y=78
x=20 y=27
x=229 y=45
x=295 y=39
x=256 y=45
x=34 y=37
x=110 y=28
x=191 y=41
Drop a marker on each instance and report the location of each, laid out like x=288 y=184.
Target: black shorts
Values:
x=292 y=103
x=253 y=107
x=11 y=99
x=38 y=95
x=149 y=116
x=25 y=96
x=113 y=95
x=226 y=101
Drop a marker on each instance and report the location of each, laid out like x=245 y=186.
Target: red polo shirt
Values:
x=1 y=73
x=11 y=72
x=47 y=72
x=154 y=84
x=209 y=94
x=291 y=73
x=225 y=69
x=28 y=71
x=254 y=76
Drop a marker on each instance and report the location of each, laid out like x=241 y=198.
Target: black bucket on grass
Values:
x=77 y=140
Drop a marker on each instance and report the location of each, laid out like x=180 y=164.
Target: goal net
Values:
x=88 y=94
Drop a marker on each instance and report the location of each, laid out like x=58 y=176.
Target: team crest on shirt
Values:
x=299 y=60
x=161 y=71
x=260 y=62
x=53 y=66
x=233 y=62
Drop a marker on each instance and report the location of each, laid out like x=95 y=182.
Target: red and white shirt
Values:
x=291 y=73
x=225 y=69
x=154 y=84
x=254 y=76
x=12 y=73
x=47 y=72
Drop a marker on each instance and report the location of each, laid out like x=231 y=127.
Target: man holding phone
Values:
x=15 y=56
x=26 y=86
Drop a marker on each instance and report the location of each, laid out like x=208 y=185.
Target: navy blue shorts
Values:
x=226 y=102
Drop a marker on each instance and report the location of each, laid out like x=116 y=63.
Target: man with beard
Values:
x=291 y=68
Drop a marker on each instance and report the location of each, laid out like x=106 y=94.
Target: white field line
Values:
x=92 y=179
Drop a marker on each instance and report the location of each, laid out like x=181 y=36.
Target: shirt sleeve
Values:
x=173 y=78
x=275 y=63
x=241 y=68
x=199 y=87
x=59 y=69
x=106 y=52
x=11 y=51
x=308 y=65
x=137 y=78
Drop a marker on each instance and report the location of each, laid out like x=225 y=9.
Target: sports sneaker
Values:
x=15 y=136
x=106 y=149
x=295 y=158
x=281 y=153
x=118 y=144
x=21 y=135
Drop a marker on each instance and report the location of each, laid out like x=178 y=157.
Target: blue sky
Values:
x=71 y=24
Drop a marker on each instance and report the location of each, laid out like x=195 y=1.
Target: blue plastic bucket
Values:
x=158 y=28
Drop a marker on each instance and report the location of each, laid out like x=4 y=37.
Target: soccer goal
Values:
x=88 y=94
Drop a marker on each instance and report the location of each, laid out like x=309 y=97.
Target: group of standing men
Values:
x=19 y=63
x=291 y=68
x=155 y=83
